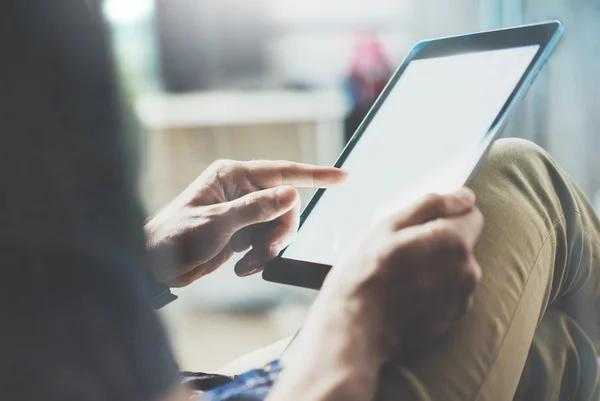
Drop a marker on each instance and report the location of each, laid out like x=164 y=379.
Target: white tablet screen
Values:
x=424 y=138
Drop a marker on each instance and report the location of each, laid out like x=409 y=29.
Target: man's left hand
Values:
x=233 y=207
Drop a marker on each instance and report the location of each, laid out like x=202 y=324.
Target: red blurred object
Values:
x=369 y=73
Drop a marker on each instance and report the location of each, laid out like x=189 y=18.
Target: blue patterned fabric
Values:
x=250 y=386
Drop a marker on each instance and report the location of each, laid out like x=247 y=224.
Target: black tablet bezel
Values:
x=546 y=35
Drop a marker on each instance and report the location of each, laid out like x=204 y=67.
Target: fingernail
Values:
x=246 y=273
x=275 y=249
x=253 y=267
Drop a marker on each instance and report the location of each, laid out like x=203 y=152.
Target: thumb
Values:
x=258 y=207
x=435 y=206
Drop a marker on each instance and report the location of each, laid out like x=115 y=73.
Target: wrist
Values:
x=328 y=373
x=324 y=384
x=160 y=249
x=337 y=355
x=355 y=326
x=152 y=230
x=356 y=319
x=157 y=258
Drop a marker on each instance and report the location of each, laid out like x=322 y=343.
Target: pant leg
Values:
x=539 y=248
x=561 y=364
x=532 y=256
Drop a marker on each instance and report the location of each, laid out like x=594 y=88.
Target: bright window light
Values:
x=126 y=11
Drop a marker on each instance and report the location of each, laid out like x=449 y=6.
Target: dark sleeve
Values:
x=78 y=327
x=160 y=293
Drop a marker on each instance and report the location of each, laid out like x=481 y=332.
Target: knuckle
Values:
x=283 y=168
x=442 y=233
x=220 y=164
x=434 y=202
x=274 y=201
x=262 y=206
x=222 y=167
x=452 y=243
x=385 y=253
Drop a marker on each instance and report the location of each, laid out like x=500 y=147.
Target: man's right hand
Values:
x=411 y=278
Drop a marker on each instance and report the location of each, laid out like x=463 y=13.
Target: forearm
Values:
x=331 y=377
x=332 y=359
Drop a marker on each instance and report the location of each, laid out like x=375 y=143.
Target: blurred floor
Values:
x=205 y=341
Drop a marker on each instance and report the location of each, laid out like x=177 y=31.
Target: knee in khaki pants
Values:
x=536 y=249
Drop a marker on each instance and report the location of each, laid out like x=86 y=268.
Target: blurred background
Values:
x=291 y=79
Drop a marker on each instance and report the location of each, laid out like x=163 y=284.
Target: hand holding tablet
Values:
x=427 y=133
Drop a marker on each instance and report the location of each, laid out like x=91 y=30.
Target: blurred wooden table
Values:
x=185 y=133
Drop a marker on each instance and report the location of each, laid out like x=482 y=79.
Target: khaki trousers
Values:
x=534 y=330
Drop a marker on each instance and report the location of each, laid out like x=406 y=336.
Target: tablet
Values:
x=426 y=133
